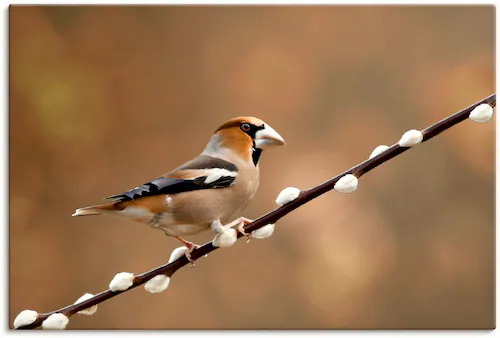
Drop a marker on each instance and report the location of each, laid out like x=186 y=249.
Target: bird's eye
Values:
x=245 y=127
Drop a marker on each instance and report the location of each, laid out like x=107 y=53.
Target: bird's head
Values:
x=247 y=136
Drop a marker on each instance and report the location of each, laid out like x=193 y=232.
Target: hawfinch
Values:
x=205 y=192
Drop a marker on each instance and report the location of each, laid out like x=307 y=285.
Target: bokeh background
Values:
x=105 y=98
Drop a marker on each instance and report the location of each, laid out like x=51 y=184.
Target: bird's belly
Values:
x=202 y=207
x=173 y=229
x=195 y=215
x=189 y=213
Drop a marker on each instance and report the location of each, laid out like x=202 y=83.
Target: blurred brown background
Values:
x=105 y=98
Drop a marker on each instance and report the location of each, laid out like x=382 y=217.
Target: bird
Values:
x=203 y=193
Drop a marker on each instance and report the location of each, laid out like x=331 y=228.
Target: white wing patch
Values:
x=216 y=173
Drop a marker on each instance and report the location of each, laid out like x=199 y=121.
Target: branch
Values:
x=273 y=216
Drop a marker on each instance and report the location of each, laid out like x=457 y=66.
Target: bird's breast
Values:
x=194 y=210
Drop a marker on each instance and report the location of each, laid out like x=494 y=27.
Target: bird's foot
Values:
x=241 y=222
x=190 y=247
x=188 y=253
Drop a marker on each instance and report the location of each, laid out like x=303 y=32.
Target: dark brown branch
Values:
x=273 y=216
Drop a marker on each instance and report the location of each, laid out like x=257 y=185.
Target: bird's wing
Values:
x=203 y=172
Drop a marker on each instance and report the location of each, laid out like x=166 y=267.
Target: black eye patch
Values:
x=251 y=129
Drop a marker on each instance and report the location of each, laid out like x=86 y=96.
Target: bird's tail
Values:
x=94 y=210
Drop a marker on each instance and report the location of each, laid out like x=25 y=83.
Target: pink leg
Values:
x=241 y=222
x=190 y=247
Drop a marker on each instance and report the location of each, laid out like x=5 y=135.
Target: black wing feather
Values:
x=167 y=185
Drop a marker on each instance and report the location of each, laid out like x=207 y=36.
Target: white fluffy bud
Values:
x=481 y=113
x=25 y=317
x=225 y=239
x=287 y=195
x=90 y=310
x=177 y=253
x=157 y=284
x=411 y=138
x=379 y=150
x=347 y=184
x=264 y=232
x=122 y=281
x=56 y=321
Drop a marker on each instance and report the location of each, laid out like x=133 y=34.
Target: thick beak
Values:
x=267 y=138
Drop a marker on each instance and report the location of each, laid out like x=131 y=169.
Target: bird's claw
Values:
x=241 y=230
x=188 y=252
x=218 y=228
x=190 y=247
